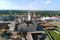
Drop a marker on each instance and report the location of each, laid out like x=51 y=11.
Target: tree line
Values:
x=49 y=13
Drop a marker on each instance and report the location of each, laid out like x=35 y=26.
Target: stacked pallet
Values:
x=47 y=25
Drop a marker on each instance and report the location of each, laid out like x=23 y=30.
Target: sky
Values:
x=29 y=4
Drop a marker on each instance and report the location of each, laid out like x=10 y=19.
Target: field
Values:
x=55 y=35
x=57 y=24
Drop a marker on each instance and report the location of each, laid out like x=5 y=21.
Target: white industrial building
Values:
x=50 y=19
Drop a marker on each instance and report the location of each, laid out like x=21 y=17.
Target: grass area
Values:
x=47 y=34
x=55 y=35
x=4 y=15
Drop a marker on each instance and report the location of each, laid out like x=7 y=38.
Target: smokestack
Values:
x=29 y=15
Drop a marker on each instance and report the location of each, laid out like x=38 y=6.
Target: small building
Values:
x=4 y=26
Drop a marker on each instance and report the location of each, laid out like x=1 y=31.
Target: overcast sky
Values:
x=30 y=4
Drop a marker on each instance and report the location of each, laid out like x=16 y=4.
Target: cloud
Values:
x=48 y=2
